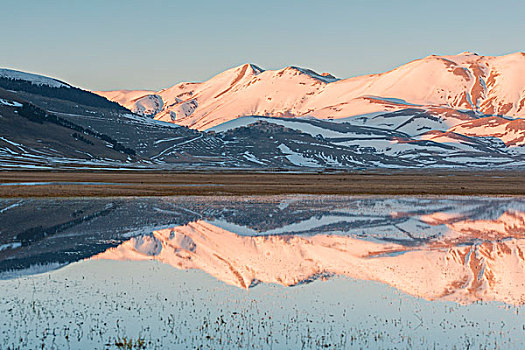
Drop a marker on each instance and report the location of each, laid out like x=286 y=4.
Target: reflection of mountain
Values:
x=510 y=224
x=305 y=237
x=35 y=233
x=464 y=266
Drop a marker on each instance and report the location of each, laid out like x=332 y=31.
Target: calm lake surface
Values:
x=283 y=272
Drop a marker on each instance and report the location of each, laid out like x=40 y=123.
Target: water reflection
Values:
x=482 y=260
x=458 y=249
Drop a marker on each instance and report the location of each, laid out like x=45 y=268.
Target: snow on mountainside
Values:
x=413 y=116
x=511 y=132
x=441 y=85
x=32 y=78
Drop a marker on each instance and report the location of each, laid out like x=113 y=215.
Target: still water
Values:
x=283 y=272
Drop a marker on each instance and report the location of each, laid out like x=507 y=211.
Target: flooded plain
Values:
x=279 y=272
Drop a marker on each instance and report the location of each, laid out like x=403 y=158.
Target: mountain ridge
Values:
x=247 y=118
x=486 y=85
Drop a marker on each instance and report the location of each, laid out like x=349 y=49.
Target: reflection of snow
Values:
x=446 y=267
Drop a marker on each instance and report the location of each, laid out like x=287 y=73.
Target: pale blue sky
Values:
x=153 y=44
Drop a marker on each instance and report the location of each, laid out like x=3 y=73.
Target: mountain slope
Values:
x=34 y=79
x=44 y=86
x=401 y=135
x=436 y=84
x=32 y=137
x=69 y=127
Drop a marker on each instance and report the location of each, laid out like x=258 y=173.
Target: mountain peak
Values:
x=255 y=68
x=467 y=53
x=324 y=77
x=243 y=69
x=247 y=68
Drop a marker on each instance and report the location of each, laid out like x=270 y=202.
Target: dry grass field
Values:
x=140 y=183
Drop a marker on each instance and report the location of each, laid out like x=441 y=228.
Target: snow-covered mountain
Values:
x=414 y=116
x=439 y=85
